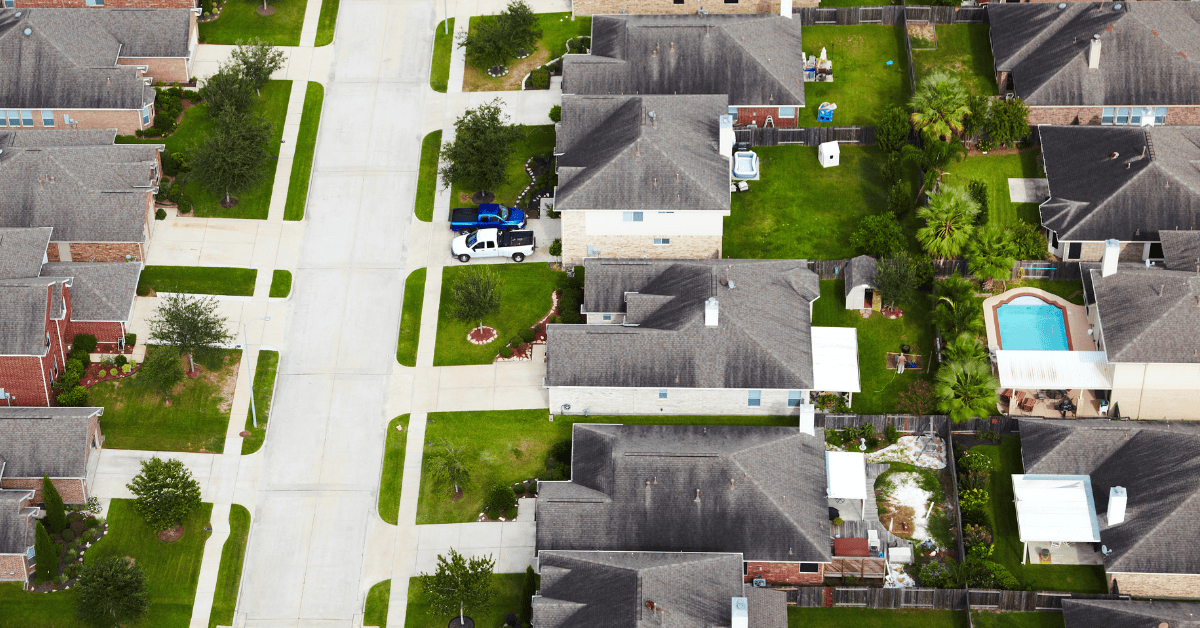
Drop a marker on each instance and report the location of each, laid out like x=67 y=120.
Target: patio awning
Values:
x=846 y=474
x=835 y=359
x=1057 y=370
x=1055 y=508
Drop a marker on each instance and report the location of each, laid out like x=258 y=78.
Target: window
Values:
x=755 y=398
x=47 y=117
x=662 y=241
x=14 y=117
x=8 y=4
x=1122 y=115
x=1054 y=239
x=787 y=112
x=47 y=340
x=26 y=117
x=810 y=567
x=1074 y=250
x=1107 y=117
x=733 y=111
x=608 y=317
x=793 y=398
x=678 y=1
x=731 y=1
x=662 y=393
x=1156 y=251
x=1135 y=115
x=146 y=114
x=1160 y=115
x=631 y=216
x=95 y=3
x=660 y=213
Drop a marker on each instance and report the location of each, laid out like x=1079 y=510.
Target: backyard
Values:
x=264 y=388
x=539 y=140
x=306 y=145
x=864 y=84
x=229 y=575
x=556 y=28
x=991 y=619
x=504 y=447
x=237 y=282
x=1069 y=290
x=781 y=219
x=996 y=170
x=393 y=469
x=427 y=176
x=963 y=50
x=196 y=420
x=873 y=618
x=507 y=599
x=410 y=318
x=240 y=21
x=526 y=290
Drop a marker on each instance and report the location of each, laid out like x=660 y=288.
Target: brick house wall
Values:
x=783 y=573
x=638 y=7
x=1155 y=584
x=165 y=69
x=23 y=377
x=576 y=240
x=645 y=401
x=106 y=332
x=72 y=490
x=52 y=252
x=105 y=251
x=1182 y=114
x=125 y=121
x=108 y=4
x=758 y=116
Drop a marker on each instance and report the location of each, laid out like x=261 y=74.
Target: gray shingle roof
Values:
x=611 y=589
x=22 y=251
x=99 y=291
x=1157 y=465
x=36 y=138
x=16 y=523
x=761 y=492
x=763 y=338
x=754 y=59
x=1149 y=55
x=86 y=193
x=45 y=441
x=1181 y=249
x=859 y=271
x=1149 y=315
x=1130 y=614
x=69 y=59
x=768 y=607
x=613 y=155
x=23 y=304
x=1153 y=184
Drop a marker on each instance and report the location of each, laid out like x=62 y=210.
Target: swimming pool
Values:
x=1031 y=324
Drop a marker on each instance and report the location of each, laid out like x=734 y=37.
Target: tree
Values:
x=966 y=390
x=475 y=293
x=1008 y=121
x=976 y=119
x=898 y=202
x=519 y=20
x=189 y=324
x=56 y=513
x=939 y=105
x=992 y=252
x=529 y=588
x=964 y=348
x=878 y=235
x=257 y=60
x=918 y=400
x=111 y=592
x=166 y=493
x=231 y=159
x=555 y=248
x=483 y=142
x=161 y=370
x=949 y=219
x=447 y=466
x=459 y=583
x=891 y=134
x=1029 y=241
x=956 y=310
x=493 y=42
x=932 y=157
x=46 y=553
x=227 y=91
x=894 y=279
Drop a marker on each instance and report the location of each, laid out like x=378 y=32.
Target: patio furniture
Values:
x=1006 y=394
x=1040 y=396
x=1028 y=403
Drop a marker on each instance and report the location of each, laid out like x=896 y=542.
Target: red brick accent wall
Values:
x=52 y=252
x=105 y=251
x=758 y=115
x=105 y=332
x=22 y=377
x=125 y=121
x=108 y=4
x=1091 y=115
x=165 y=69
x=72 y=490
x=783 y=573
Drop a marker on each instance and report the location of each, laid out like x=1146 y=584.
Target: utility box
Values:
x=829 y=154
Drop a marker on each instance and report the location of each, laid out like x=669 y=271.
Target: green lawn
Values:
x=556 y=28
x=281 y=284
x=237 y=282
x=1006 y=461
x=240 y=22
x=376 y=610
x=782 y=218
x=195 y=421
x=512 y=445
x=996 y=170
x=439 y=70
x=989 y=619
x=264 y=388
x=393 y=469
x=876 y=336
x=539 y=140
x=427 y=176
x=508 y=599
x=527 y=289
x=19 y=609
x=410 y=318
x=327 y=22
x=229 y=577
x=965 y=51
x=1069 y=290
x=863 y=83
x=196 y=126
x=306 y=144
x=873 y=618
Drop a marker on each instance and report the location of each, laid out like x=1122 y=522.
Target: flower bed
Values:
x=97 y=373
x=482 y=335
x=72 y=551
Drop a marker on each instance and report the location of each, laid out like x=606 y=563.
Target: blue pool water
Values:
x=1029 y=323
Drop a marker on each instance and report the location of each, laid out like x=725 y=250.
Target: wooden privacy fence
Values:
x=935 y=599
x=1040 y=269
x=888 y=15
x=830 y=269
x=806 y=136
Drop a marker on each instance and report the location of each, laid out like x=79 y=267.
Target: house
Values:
x=631 y=589
x=38 y=303
x=1124 y=184
x=754 y=60
x=1103 y=63
x=86 y=69
x=16 y=534
x=1145 y=485
x=59 y=443
x=1079 y=613
x=757 y=491
x=96 y=195
x=102 y=4
x=698 y=337
x=859 y=277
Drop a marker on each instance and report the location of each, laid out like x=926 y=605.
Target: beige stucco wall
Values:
x=1157 y=391
x=645 y=401
x=576 y=239
x=1156 y=584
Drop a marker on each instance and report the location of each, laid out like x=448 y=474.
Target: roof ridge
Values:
x=753 y=54
x=1154 y=323
x=1159 y=523
x=684 y=173
x=1097 y=208
x=765 y=493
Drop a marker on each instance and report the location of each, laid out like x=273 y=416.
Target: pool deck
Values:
x=1076 y=317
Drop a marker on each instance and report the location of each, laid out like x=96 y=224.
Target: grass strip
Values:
x=264 y=388
x=393 y=469
x=235 y=282
x=993 y=619
x=443 y=45
x=229 y=577
x=427 y=176
x=327 y=22
x=281 y=284
x=410 y=318
x=306 y=144
x=873 y=618
x=378 y=598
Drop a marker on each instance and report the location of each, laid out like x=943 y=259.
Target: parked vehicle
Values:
x=487 y=216
x=493 y=243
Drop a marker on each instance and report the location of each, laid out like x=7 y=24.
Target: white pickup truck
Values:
x=493 y=243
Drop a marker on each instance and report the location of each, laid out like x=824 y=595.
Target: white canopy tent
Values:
x=1055 y=509
x=1055 y=370
x=846 y=476
x=835 y=359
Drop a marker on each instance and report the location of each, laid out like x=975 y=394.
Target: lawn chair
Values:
x=1028 y=403
x=873 y=541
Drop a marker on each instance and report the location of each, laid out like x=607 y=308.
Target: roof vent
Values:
x=1114 y=155
x=17 y=14
x=28 y=32
x=1062 y=5
x=1117 y=7
x=697 y=500
x=711 y=309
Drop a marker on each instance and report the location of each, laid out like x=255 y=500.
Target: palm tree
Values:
x=967 y=390
x=956 y=309
x=992 y=252
x=939 y=105
x=949 y=220
x=963 y=348
x=932 y=158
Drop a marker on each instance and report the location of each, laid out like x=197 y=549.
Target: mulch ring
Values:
x=65 y=563
x=171 y=535
x=93 y=376
x=265 y=11
x=482 y=335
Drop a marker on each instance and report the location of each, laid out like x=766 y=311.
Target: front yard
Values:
x=556 y=28
x=863 y=83
x=196 y=420
x=240 y=21
x=237 y=282
x=873 y=618
x=507 y=599
x=963 y=50
x=995 y=170
x=539 y=140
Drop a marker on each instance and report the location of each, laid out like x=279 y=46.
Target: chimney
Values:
x=1112 y=250
x=1094 y=53
x=725 y=139
x=785 y=8
x=710 y=312
x=741 y=616
x=1116 y=505
x=808 y=419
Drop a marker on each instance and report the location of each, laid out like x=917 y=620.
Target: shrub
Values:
x=68 y=535
x=936 y=575
x=92 y=522
x=514 y=342
x=529 y=588
x=170 y=165
x=174 y=193
x=84 y=342
x=568 y=305
x=1003 y=578
x=556 y=247
x=561 y=451
x=164 y=122
x=527 y=334
x=86 y=536
x=206 y=6
x=539 y=79
x=160 y=214
x=976 y=535
x=191 y=95
x=125 y=368
x=76 y=397
x=837 y=521
x=556 y=113
x=1029 y=241
x=82 y=356
x=979 y=192
x=120 y=360
x=185 y=204
x=72 y=555
x=974 y=461
x=506 y=352
x=891 y=434
x=973 y=479
x=979 y=551
x=130 y=340
x=499 y=499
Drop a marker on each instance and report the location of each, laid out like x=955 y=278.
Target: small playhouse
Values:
x=829 y=154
